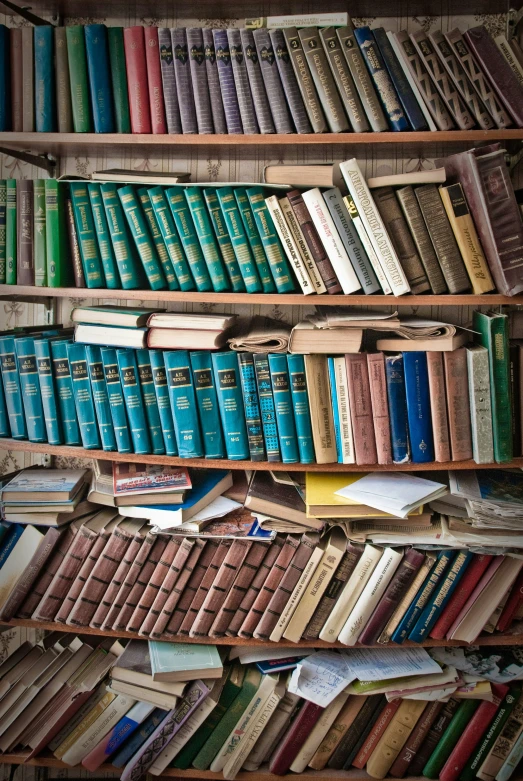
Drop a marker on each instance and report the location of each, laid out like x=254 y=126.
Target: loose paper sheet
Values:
x=321 y=677
x=380 y=664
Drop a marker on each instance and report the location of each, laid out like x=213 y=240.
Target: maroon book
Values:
x=205 y=585
x=136 y=66
x=154 y=80
x=140 y=584
x=180 y=561
x=153 y=586
x=296 y=736
x=129 y=580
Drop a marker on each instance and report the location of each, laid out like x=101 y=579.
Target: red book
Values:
x=154 y=80
x=136 y=66
x=380 y=725
x=380 y=406
x=473 y=574
x=361 y=408
x=512 y=604
x=298 y=733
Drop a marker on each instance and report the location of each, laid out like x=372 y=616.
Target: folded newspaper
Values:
x=260 y=334
x=493 y=498
x=408 y=327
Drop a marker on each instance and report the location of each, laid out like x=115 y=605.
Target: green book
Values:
x=450 y=737
x=128 y=266
x=492 y=333
x=254 y=239
x=168 y=230
x=205 y=233
x=59 y=269
x=159 y=243
x=273 y=248
x=224 y=241
x=187 y=233
x=119 y=79
x=87 y=242
x=78 y=79
x=39 y=233
x=3 y=204
x=105 y=247
x=239 y=241
x=170 y=661
x=10 y=232
x=142 y=238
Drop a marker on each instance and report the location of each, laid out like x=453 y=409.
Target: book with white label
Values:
x=348 y=455
x=348 y=200
x=289 y=245
x=301 y=243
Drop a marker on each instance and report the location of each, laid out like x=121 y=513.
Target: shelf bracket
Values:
x=25 y=12
x=514 y=17
x=46 y=161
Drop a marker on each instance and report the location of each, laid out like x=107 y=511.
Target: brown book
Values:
x=140 y=584
x=433 y=737
x=438 y=406
x=208 y=579
x=320 y=407
x=15 y=51
x=380 y=407
x=422 y=240
x=153 y=586
x=334 y=736
x=456 y=378
x=172 y=575
x=278 y=500
x=361 y=408
x=63 y=89
x=25 y=273
x=402 y=762
x=28 y=87
x=344 y=81
x=380 y=725
x=78 y=270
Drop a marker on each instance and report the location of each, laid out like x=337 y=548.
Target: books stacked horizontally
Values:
x=116 y=485
x=50 y=497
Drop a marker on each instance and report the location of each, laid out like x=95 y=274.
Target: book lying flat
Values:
x=45 y=485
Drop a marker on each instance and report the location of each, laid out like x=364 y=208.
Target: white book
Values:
x=351 y=592
x=273 y=732
x=374 y=226
x=408 y=75
x=370 y=596
x=367 y=245
x=298 y=592
x=289 y=245
x=331 y=241
x=303 y=247
x=17 y=561
x=318 y=732
x=183 y=736
x=103 y=724
x=480 y=404
x=348 y=454
x=298 y=20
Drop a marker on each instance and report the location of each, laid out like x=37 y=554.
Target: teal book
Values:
x=105 y=245
x=300 y=403
x=279 y=265
x=230 y=402
x=334 y=404
x=255 y=241
x=152 y=414
x=119 y=79
x=113 y=386
x=5 y=428
x=162 y=399
x=12 y=391
x=14 y=533
x=64 y=388
x=87 y=242
x=159 y=243
x=183 y=657
x=283 y=408
x=3 y=246
x=239 y=241
x=168 y=230
x=133 y=401
x=252 y=407
x=268 y=413
x=224 y=241
x=183 y=404
x=142 y=238
x=207 y=401
x=30 y=389
x=187 y=233
x=126 y=261
x=208 y=244
x=100 y=397
x=40 y=233
x=44 y=363
x=83 y=396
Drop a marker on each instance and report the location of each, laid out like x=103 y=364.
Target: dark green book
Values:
x=59 y=269
x=105 y=245
x=168 y=230
x=187 y=233
x=242 y=248
x=3 y=204
x=119 y=79
x=224 y=241
x=124 y=251
x=39 y=233
x=450 y=737
x=87 y=241
x=78 y=78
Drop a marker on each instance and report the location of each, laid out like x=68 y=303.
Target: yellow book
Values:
x=84 y=725
x=394 y=737
x=321 y=500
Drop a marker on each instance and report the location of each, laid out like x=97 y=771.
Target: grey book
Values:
x=63 y=88
x=323 y=80
x=480 y=404
x=290 y=85
x=170 y=98
x=344 y=81
x=228 y=89
x=362 y=79
x=305 y=82
x=241 y=82
x=213 y=82
x=271 y=79
x=202 y=100
x=28 y=86
x=259 y=95
x=184 y=88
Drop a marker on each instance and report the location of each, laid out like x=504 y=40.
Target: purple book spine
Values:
x=241 y=81
x=271 y=77
x=199 y=80
x=184 y=88
x=289 y=82
x=170 y=98
x=227 y=86
x=259 y=95
x=213 y=80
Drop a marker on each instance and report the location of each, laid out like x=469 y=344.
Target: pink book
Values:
x=457 y=381
x=154 y=80
x=380 y=406
x=173 y=574
x=361 y=408
x=136 y=67
x=493 y=567
x=130 y=579
x=140 y=585
x=153 y=586
x=438 y=406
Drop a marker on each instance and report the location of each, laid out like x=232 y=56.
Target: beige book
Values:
x=98 y=729
x=507 y=52
x=394 y=737
x=19 y=669
x=273 y=732
x=159 y=697
x=317 y=375
x=17 y=697
x=318 y=732
x=298 y=591
x=289 y=245
x=136 y=678
x=442 y=344
x=89 y=719
x=18 y=560
x=404 y=603
x=303 y=248
x=338 y=729
x=183 y=735
x=345 y=422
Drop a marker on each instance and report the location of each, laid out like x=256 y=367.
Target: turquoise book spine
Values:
x=133 y=401
x=335 y=413
x=13 y=393
x=187 y=233
x=162 y=399
x=100 y=397
x=5 y=428
x=300 y=402
x=252 y=407
x=208 y=244
x=206 y=398
x=83 y=396
x=279 y=265
x=159 y=243
x=224 y=241
x=127 y=264
x=142 y=238
x=183 y=404
x=152 y=414
x=89 y=252
x=30 y=389
x=268 y=413
x=239 y=241
x=44 y=364
x=113 y=386
x=64 y=388
x=230 y=402
x=255 y=241
x=170 y=236
x=105 y=246
x=283 y=408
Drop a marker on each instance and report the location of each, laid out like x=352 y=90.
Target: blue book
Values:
x=83 y=396
x=105 y=244
x=5 y=428
x=183 y=404
x=162 y=399
x=207 y=401
x=138 y=738
x=418 y=407
x=230 y=401
x=5 y=80
x=252 y=407
x=44 y=79
x=268 y=413
x=399 y=430
x=145 y=374
x=64 y=388
x=8 y=543
x=97 y=52
x=227 y=86
x=11 y=383
x=113 y=387
x=44 y=362
x=204 y=481
x=300 y=402
x=382 y=81
x=30 y=389
x=100 y=397
x=335 y=410
x=133 y=401
x=283 y=408
x=125 y=727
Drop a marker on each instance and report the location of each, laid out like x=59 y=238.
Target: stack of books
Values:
x=51 y=497
x=118 y=485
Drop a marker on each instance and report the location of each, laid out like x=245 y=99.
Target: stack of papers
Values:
x=493 y=498
x=396 y=493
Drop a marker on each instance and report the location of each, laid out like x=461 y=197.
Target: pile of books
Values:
x=52 y=497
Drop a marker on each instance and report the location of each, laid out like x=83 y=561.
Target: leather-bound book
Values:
x=170 y=98
x=140 y=584
x=380 y=407
x=394 y=737
x=205 y=585
x=25 y=271
x=259 y=95
x=129 y=580
x=456 y=376
x=154 y=81
x=298 y=733
x=74 y=247
x=339 y=727
x=344 y=81
x=271 y=78
x=433 y=737
x=362 y=725
x=153 y=586
x=179 y=563
x=136 y=66
x=228 y=89
x=62 y=85
x=213 y=80
x=289 y=82
x=323 y=79
x=402 y=762
x=438 y=406
x=361 y=408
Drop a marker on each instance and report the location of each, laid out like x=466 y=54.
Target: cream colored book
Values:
x=318 y=732
x=298 y=591
x=345 y=422
x=394 y=738
x=348 y=200
x=19 y=696
x=351 y=593
x=103 y=700
x=303 y=248
x=370 y=596
x=12 y=676
x=159 y=698
x=273 y=732
x=289 y=245
x=340 y=726
x=17 y=561
x=404 y=604
x=320 y=406
x=98 y=729
x=506 y=50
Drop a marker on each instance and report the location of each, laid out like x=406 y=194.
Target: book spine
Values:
x=398 y=409
x=29 y=99
x=48 y=393
x=231 y=105
x=202 y=589
x=271 y=78
x=289 y=83
x=397 y=733
x=181 y=608
x=280 y=382
x=64 y=389
x=196 y=52
x=46 y=575
x=5 y=80
x=342 y=405
x=78 y=78
x=252 y=407
x=304 y=79
x=142 y=238
x=138 y=738
x=300 y=402
x=74 y=246
x=456 y=376
x=159 y=377
x=187 y=233
x=83 y=396
x=150 y=547
x=44 y=110
x=254 y=590
x=105 y=247
x=240 y=243
x=165 y=222
x=402 y=762
x=320 y=408
x=241 y=83
x=183 y=404
x=25 y=272
x=497 y=345
x=16 y=57
x=154 y=81
x=11 y=384
x=267 y=409
x=30 y=389
x=418 y=406
x=255 y=241
x=96 y=46
x=172 y=110
x=274 y=252
x=136 y=67
x=222 y=236
x=362 y=79
x=257 y=87
x=132 y=395
x=300 y=244
x=301 y=727
x=152 y=414
x=116 y=400
x=153 y=586
x=228 y=387
x=158 y=240
x=361 y=408
x=213 y=81
x=344 y=81
x=480 y=406
x=205 y=233
x=361 y=231
x=119 y=84
x=39 y=236
x=5 y=428
x=125 y=727
x=434 y=735
x=472 y=576
x=289 y=244
x=184 y=86
x=335 y=409
x=3 y=205
x=127 y=264
x=360 y=731
x=180 y=561
x=421 y=237
x=380 y=407
x=207 y=401
x=10 y=232
x=89 y=252
x=438 y=406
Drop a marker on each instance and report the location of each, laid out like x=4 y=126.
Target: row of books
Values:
x=243 y=81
